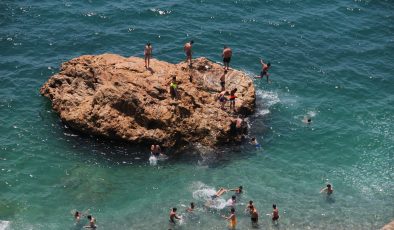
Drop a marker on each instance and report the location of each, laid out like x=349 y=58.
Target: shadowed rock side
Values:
x=116 y=97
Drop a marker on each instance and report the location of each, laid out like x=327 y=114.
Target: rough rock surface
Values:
x=117 y=97
x=389 y=226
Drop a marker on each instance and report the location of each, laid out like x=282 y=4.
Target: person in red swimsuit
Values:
x=232 y=98
x=275 y=213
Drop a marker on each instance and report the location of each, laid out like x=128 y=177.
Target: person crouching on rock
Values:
x=232 y=98
x=222 y=99
x=174 y=88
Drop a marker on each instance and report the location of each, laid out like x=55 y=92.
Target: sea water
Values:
x=331 y=61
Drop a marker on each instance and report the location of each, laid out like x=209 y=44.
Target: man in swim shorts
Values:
x=232 y=98
x=264 y=69
x=275 y=213
x=188 y=51
x=232 y=218
x=227 y=53
x=173 y=216
x=254 y=215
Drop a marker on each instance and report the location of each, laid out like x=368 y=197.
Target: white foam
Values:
x=152 y=160
x=265 y=100
x=202 y=192
x=4 y=225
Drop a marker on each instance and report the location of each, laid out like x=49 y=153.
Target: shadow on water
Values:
x=119 y=152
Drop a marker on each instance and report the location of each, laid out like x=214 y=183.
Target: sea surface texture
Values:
x=332 y=61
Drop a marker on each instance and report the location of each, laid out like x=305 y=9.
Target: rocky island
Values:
x=118 y=98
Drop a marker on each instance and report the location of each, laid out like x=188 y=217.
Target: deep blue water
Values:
x=331 y=60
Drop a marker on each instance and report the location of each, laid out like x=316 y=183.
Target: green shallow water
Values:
x=331 y=60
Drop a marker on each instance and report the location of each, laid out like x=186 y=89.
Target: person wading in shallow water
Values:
x=188 y=51
x=232 y=218
x=275 y=213
x=173 y=216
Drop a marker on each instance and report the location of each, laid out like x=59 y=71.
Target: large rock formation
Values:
x=389 y=226
x=119 y=98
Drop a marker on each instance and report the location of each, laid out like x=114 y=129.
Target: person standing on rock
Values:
x=227 y=53
x=188 y=51
x=222 y=99
x=148 y=54
x=232 y=98
x=174 y=88
x=223 y=80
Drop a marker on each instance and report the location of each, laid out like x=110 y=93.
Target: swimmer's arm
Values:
x=323 y=190
x=262 y=61
x=177 y=217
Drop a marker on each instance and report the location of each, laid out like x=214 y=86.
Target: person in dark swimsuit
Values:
x=275 y=213
x=254 y=215
x=223 y=81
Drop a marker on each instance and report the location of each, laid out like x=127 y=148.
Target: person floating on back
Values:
x=148 y=51
x=264 y=69
x=237 y=190
x=275 y=213
x=227 y=53
x=188 y=51
x=232 y=218
x=328 y=189
x=174 y=88
x=173 y=216
x=92 y=222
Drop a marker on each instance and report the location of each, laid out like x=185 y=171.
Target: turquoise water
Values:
x=332 y=60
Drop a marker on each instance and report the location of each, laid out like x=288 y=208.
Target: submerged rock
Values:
x=117 y=97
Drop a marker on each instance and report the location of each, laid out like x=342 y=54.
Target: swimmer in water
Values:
x=275 y=213
x=92 y=222
x=173 y=216
x=219 y=193
x=237 y=190
x=249 y=207
x=232 y=201
x=77 y=215
x=232 y=218
x=328 y=189
x=254 y=142
x=191 y=208
x=307 y=120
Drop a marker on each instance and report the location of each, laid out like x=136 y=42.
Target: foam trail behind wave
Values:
x=265 y=99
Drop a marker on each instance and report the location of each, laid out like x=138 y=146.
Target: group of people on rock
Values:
x=226 y=55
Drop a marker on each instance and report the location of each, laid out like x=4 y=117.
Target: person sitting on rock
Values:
x=174 y=88
x=222 y=99
x=232 y=98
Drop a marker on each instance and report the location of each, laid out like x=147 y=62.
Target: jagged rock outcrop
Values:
x=389 y=226
x=117 y=97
